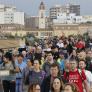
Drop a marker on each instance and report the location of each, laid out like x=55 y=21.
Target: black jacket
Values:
x=45 y=86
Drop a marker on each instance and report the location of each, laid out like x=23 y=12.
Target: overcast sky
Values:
x=30 y=7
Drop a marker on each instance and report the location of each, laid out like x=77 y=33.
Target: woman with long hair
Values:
x=9 y=80
x=57 y=85
x=36 y=75
x=34 y=88
x=71 y=87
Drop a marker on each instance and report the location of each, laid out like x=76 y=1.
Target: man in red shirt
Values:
x=80 y=44
x=76 y=76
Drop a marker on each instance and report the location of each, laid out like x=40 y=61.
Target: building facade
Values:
x=88 y=18
x=38 y=22
x=70 y=18
x=69 y=8
x=9 y=15
x=32 y=22
x=57 y=30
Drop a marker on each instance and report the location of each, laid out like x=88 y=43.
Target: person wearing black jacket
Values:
x=54 y=72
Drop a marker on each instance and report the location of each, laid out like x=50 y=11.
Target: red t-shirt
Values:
x=80 y=45
x=77 y=78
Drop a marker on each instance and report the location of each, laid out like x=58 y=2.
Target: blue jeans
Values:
x=19 y=85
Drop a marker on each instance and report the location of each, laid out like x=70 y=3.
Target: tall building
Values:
x=42 y=16
x=69 y=8
x=74 y=9
x=54 y=11
x=9 y=15
x=38 y=22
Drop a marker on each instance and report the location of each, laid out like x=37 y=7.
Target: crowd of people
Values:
x=59 y=64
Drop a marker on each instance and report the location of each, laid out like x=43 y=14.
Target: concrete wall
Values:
x=11 y=43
